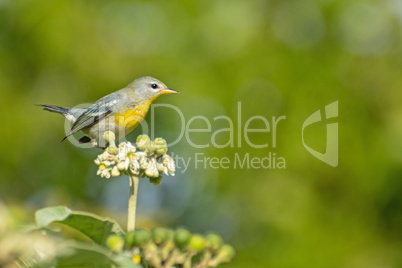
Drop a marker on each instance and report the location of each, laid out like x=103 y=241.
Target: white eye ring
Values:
x=154 y=86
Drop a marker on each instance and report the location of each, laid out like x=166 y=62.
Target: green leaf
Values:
x=83 y=255
x=91 y=225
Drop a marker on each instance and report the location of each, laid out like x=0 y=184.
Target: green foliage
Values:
x=113 y=247
x=83 y=255
x=275 y=57
x=106 y=234
x=96 y=228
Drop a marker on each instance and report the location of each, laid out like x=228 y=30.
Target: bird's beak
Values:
x=169 y=91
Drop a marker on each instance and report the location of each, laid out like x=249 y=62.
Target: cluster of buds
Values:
x=146 y=159
x=163 y=247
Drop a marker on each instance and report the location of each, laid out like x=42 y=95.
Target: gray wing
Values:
x=95 y=113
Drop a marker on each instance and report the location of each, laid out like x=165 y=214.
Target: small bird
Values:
x=120 y=112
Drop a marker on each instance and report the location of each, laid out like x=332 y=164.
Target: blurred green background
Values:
x=275 y=57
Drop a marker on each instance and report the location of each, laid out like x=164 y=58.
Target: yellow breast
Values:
x=130 y=118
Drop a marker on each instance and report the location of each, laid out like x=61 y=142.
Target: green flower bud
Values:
x=197 y=243
x=112 y=150
x=156 y=181
x=143 y=142
x=121 y=166
x=115 y=172
x=182 y=237
x=139 y=237
x=110 y=137
x=160 y=235
x=151 y=148
x=160 y=146
x=214 y=241
x=226 y=253
x=115 y=243
x=129 y=239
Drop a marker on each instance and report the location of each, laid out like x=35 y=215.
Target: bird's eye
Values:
x=154 y=86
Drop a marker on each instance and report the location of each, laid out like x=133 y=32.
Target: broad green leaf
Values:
x=83 y=255
x=91 y=225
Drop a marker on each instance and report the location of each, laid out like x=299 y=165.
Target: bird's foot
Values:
x=95 y=145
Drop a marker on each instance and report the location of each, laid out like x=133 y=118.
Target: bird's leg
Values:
x=95 y=145
x=100 y=147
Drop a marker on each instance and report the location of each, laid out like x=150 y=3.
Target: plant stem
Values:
x=132 y=202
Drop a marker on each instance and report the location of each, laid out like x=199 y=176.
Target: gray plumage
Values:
x=100 y=116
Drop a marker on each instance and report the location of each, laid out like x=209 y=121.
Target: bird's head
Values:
x=149 y=88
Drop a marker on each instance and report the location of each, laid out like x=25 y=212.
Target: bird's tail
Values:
x=55 y=109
